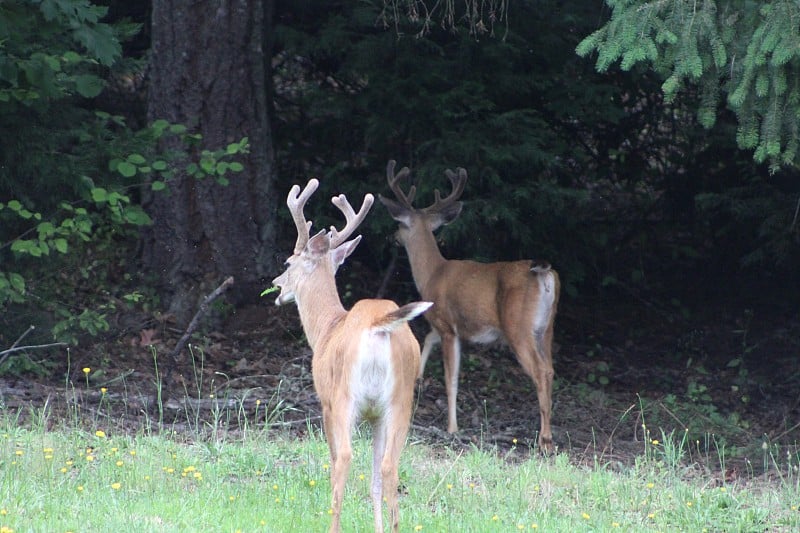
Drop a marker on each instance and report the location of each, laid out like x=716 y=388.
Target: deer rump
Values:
x=482 y=320
x=363 y=370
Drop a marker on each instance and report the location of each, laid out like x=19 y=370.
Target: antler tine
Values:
x=458 y=182
x=394 y=184
x=353 y=219
x=296 y=201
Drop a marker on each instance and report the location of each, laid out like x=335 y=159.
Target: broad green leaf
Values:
x=207 y=165
x=158 y=185
x=159 y=165
x=88 y=86
x=235 y=166
x=17 y=281
x=45 y=229
x=136 y=216
x=136 y=159
x=126 y=169
x=99 y=194
x=61 y=245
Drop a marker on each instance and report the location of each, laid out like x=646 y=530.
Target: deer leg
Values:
x=396 y=439
x=451 y=350
x=376 y=488
x=431 y=340
x=338 y=435
x=540 y=368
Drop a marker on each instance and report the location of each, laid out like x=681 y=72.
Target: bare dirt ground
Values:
x=728 y=379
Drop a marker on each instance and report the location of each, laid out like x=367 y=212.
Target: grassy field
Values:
x=60 y=476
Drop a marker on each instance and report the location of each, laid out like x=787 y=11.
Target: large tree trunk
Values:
x=210 y=70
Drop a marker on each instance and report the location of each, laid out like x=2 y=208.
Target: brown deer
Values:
x=479 y=302
x=365 y=361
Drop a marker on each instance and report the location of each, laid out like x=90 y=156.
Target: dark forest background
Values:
x=146 y=149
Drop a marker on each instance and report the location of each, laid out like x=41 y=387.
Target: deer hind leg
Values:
x=431 y=340
x=337 y=432
x=538 y=364
x=451 y=351
x=379 y=450
x=395 y=441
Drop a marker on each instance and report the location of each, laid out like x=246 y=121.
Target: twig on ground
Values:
x=173 y=356
x=15 y=348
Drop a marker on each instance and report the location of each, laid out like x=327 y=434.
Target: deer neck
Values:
x=424 y=257
x=319 y=307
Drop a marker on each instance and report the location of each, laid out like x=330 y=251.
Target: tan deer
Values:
x=365 y=361
x=478 y=302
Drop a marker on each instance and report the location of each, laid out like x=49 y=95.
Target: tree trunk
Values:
x=210 y=70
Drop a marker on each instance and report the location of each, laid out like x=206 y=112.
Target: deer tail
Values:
x=390 y=321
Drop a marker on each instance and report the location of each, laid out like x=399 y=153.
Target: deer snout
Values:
x=285 y=296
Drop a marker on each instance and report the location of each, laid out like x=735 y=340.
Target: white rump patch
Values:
x=372 y=379
x=485 y=336
x=544 y=306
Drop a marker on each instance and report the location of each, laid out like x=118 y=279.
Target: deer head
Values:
x=428 y=219
x=325 y=251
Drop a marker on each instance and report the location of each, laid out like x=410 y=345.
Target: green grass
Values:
x=57 y=477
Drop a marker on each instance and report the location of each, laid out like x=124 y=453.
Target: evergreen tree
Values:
x=747 y=51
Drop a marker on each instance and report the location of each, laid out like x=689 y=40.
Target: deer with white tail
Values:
x=478 y=302
x=365 y=361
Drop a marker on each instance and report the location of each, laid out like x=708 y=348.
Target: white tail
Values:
x=478 y=302
x=365 y=360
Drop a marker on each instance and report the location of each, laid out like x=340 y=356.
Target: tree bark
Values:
x=210 y=70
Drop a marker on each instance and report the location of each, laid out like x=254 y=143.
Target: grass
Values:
x=57 y=476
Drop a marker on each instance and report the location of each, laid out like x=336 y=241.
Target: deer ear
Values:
x=319 y=244
x=396 y=210
x=447 y=215
x=339 y=254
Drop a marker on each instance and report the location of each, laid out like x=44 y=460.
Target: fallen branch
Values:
x=173 y=356
x=15 y=348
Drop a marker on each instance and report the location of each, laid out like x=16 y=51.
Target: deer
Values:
x=477 y=302
x=364 y=361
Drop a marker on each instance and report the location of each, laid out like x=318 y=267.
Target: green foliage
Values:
x=51 y=50
x=433 y=98
x=70 y=174
x=748 y=50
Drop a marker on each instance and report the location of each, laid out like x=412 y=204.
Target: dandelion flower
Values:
x=495 y=518
x=586 y=516
x=418 y=527
x=449 y=486
x=3 y=512
x=103 y=390
x=655 y=442
x=514 y=441
x=116 y=486
x=86 y=370
x=311 y=483
x=361 y=477
x=100 y=434
x=651 y=485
